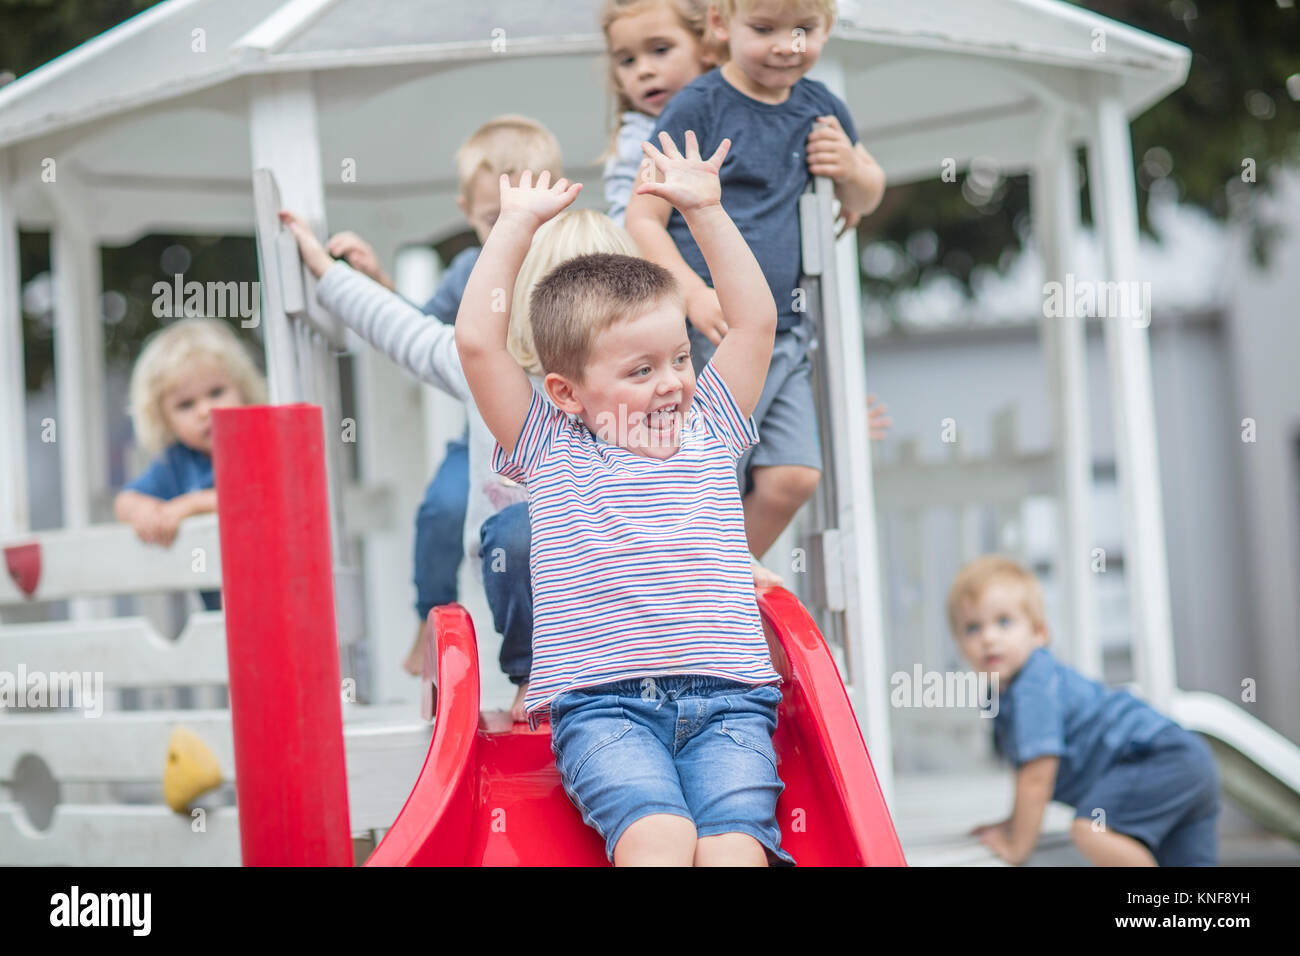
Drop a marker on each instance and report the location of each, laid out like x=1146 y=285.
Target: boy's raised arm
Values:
x=647 y=223
x=500 y=387
x=691 y=184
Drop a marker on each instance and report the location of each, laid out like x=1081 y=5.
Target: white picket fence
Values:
x=82 y=785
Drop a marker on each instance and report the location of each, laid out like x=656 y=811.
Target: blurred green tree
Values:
x=1240 y=101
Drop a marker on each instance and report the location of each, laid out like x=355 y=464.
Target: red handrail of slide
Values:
x=489 y=793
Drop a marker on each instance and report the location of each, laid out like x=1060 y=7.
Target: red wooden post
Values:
x=278 y=594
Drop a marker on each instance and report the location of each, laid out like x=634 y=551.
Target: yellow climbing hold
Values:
x=191 y=770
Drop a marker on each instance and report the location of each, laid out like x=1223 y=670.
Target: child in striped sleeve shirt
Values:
x=648 y=651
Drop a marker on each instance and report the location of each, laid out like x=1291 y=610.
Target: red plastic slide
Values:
x=489 y=793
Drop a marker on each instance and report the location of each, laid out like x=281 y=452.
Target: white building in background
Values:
x=1225 y=337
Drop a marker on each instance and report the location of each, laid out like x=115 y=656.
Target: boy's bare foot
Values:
x=517 y=708
x=414 y=663
x=763 y=578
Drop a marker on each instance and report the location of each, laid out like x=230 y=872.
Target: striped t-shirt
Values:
x=640 y=566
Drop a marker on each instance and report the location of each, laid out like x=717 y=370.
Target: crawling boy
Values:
x=1145 y=791
x=648 y=650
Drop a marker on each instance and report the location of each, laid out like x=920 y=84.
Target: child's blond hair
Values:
x=573 y=233
x=729 y=8
x=166 y=357
x=978 y=575
x=508 y=144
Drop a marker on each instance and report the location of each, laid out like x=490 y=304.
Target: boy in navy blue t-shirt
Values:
x=1145 y=791
x=784 y=129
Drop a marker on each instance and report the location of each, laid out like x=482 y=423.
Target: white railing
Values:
x=81 y=783
x=935 y=515
x=109 y=559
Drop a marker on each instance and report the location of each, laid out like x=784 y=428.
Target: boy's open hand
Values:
x=532 y=204
x=690 y=182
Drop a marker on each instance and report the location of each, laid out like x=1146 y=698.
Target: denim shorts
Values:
x=1165 y=794
x=691 y=745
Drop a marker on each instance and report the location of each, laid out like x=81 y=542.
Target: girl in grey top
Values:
x=655 y=49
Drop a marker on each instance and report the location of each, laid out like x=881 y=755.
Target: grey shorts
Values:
x=786 y=414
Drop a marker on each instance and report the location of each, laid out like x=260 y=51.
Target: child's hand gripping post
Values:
x=314 y=256
x=691 y=184
x=360 y=255
x=859 y=180
x=500 y=387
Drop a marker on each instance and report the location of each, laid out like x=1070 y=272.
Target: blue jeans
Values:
x=440 y=529
x=689 y=745
x=507 y=581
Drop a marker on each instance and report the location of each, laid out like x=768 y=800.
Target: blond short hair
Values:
x=977 y=576
x=572 y=233
x=508 y=144
x=166 y=357
x=729 y=8
x=580 y=298
x=693 y=15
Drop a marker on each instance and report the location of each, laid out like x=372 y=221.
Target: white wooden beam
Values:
x=81 y=433
x=116 y=835
x=1114 y=208
x=126 y=651
x=962 y=482
x=79 y=351
x=14 y=517
x=110 y=559
x=844 y=351
x=128 y=746
x=284 y=139
x=1055 y=208
x=301 y=364
x=279 y=28
x=392 y=442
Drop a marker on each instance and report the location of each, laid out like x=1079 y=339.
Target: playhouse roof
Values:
x=162 y=99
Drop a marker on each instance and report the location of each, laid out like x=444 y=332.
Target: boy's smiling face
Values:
x=772 y=43
x=638 y=385
x=654 y=56
x=995 y=633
